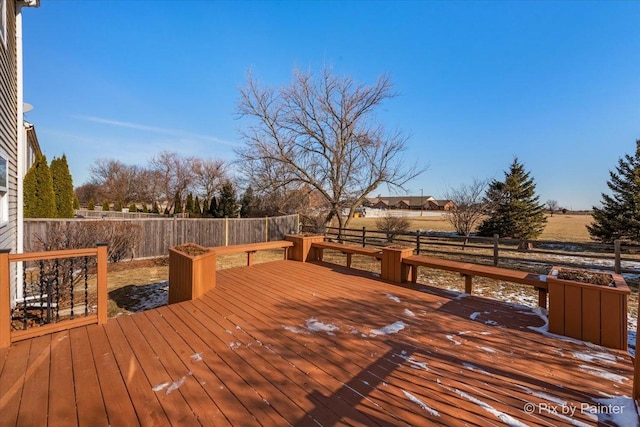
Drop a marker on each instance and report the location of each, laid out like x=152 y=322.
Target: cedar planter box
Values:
x=589 y=312
x=192 y=272
x=302 y=250
x=392 y=268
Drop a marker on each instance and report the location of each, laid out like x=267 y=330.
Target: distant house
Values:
x=15 y=134
x=441 y=205
x=408 y=202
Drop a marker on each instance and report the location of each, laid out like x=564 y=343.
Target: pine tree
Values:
x=144 y=208
x=205 y=208
x=105 y=205
x=227 y=207
x=91 y=206
x=76 y=203
x=62 y=187
x=247 y=204
x=39 y=198
x=213 y=208
x=177 y=204
x=619 y=215
x=155 y=208
x=515 y=209
x=118 y=206
x=133 y=208
x=196 y=207
x=188 y=207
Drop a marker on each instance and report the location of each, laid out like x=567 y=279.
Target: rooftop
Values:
x=290 y=343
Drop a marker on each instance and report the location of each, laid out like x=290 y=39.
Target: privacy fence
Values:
x=154 y=236
x=533 y=255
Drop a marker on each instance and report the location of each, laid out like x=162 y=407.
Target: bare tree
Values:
x=209 y=174
x=552 y=206
x=392 y=226
x=470 y=206
x=322 y=132
x=116 y=180
x=173 y=175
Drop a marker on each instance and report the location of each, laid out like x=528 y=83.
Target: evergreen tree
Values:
x=133 y=208
x=105 y=205
x=619 y=215
x=247 y=204
x=118 y=206
x=227 y=207
x=144 y=208
x=177 y=204
x=196 y=207
x=62 y=187
x=205 y=208
x=76 y=203
x=39 y=198
x=188 y=207
x=514 y=208
x=91 y=206
x=213 y=208
x=155 y=208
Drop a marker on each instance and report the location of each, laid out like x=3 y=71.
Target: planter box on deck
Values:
x=594 y=313
x=192 y=272
x=302 y=250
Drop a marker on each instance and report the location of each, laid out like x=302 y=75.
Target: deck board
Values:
x=244 y=355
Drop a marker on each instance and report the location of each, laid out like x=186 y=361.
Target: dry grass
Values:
x=564 y=228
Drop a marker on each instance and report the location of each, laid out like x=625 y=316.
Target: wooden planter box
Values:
x=302 y=250
x=593 y=313
x=392 y=268
x=190 y=276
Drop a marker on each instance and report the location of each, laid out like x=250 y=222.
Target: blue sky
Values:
x=556 y=84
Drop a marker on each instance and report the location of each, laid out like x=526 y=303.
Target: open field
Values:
x=565 y=228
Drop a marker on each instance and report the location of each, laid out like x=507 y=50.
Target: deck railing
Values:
x=51 y=291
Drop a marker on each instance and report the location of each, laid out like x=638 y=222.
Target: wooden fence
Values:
x=498 y=251
x=159 y=234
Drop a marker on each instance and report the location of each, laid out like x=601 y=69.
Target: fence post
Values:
x=266 y=228
x=418 y=241
x=226 y=231
x=364 y=236
x=495 y=249
x=102 y=283
x=617 y=261
x=5 y=299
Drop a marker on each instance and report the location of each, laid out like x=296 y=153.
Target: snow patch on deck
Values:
x=421 y=404
x=314 y=325
x=392 y=297
x=393 y=328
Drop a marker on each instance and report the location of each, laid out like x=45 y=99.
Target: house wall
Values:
x=9 y=125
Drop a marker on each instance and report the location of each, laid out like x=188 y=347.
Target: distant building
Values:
x=408 y=202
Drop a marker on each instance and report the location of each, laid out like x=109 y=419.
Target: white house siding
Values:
x=8 y=124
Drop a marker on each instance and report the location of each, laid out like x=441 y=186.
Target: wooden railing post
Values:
x=364 y=236
x=5 y=299
x=617 y=262
x=496 y=240
x=418 y=240
x=102 y=283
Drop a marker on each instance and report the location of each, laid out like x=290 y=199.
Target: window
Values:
x=3 y=22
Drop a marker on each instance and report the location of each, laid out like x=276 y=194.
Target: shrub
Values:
x=392 y=226
x=105 y=205
x=133 y=208
x=91 y=206
x=39 y=198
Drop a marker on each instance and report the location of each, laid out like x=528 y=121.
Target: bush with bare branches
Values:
x=392 y=226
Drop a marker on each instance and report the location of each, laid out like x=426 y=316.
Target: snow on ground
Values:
x=151 y=296
x=393 y=328
x=421 y=404
x=619 y=410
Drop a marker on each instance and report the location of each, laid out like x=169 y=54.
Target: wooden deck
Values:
x=259 y=350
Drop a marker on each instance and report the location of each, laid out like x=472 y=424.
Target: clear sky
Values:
x=556 y=84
